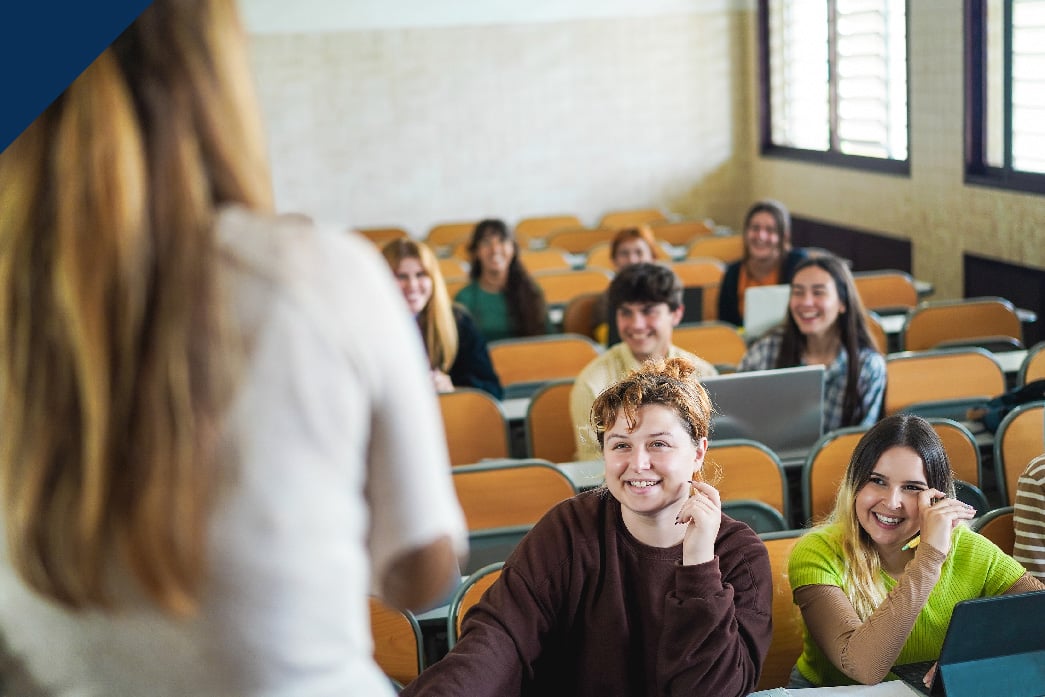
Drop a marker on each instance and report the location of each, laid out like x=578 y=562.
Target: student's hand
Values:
x=939 y=515
x=442 y=381
x=928 y=679
x=701 y=514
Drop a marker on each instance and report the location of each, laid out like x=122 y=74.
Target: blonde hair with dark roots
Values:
x=438 y=327
x=671 y=383
x=113 y=371
x=864 y=585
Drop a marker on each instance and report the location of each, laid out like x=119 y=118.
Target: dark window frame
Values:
x=832 y=157
x=977 y=171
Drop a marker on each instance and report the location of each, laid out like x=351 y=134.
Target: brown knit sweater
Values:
x=584 y=609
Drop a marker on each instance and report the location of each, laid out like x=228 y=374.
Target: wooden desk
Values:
x=892 y=688
x=893 y=324
x=515 y=408
x=1011 y=360
x=586 y=474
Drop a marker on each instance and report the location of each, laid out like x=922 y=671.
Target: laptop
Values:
x=692 y=311
x=781 y=408
x=764 y=308
x=993 y=646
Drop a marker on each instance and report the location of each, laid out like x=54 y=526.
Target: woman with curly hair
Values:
x=640 y=587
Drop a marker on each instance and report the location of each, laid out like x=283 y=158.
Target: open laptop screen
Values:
x=764 y=308
x=781 y=408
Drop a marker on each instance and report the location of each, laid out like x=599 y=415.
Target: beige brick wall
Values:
x=412 y=125
x=933 y=208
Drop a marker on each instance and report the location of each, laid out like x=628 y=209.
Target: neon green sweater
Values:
x=974 y=568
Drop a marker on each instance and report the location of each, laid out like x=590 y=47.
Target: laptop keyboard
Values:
x=912 y=674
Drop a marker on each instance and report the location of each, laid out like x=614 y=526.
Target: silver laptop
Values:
x=781 y=408
x=764 y=308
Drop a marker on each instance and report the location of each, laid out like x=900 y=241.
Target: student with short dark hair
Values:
x=648 y=301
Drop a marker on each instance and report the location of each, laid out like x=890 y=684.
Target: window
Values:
x=834 y=81
x=1005 y=93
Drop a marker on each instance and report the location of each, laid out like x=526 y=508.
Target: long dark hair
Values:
x=852 y=324
x=527 y=311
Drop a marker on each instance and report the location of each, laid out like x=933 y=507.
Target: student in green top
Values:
x=871 y=600
x=503 y=298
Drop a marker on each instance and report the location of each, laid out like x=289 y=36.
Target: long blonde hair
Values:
x=864 y=585
x=436 y=320
x=112 y=380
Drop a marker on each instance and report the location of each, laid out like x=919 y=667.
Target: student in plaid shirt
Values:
x=826 y=324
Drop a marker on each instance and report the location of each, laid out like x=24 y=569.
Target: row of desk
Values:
x=892 y=688
x=515 y=408
x=893 y=324
x=589 y=474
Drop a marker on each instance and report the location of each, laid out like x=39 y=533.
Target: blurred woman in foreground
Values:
x=205 y=467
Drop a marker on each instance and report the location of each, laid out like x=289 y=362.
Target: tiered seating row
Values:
x=543 y=429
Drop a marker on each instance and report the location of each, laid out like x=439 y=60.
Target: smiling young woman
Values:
x=868 y=600
x=457 y=352
x=641 y=587
x=502 y=296
x=768 y=258
x=827 y=324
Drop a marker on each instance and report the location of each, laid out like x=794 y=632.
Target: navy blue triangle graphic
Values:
x=44 y=45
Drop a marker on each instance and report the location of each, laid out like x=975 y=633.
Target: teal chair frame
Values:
x=760 y=516
x=458 y=598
